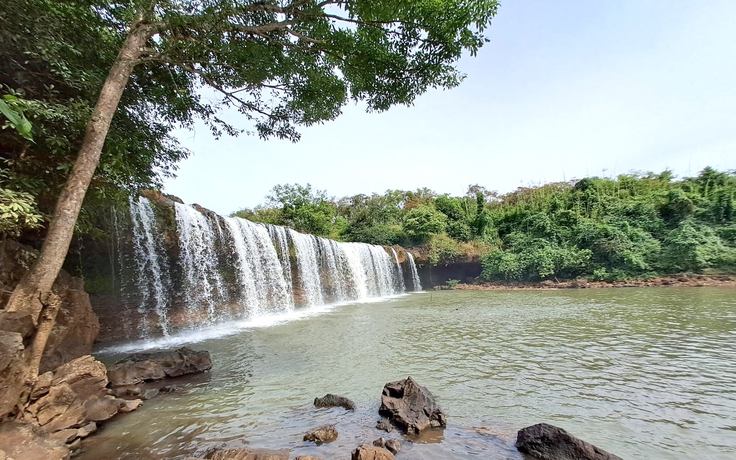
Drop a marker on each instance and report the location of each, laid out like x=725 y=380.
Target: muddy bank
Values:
x=678 y=281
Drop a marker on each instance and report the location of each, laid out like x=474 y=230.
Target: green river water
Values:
x=642 y=373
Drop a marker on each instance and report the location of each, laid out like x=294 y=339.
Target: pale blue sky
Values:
x=564 y=89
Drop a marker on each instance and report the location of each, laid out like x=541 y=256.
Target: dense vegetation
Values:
x=635 y=225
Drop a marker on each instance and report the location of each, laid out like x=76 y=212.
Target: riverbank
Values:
x=678 y=280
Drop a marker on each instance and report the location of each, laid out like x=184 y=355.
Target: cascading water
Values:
x=308 y=267
x=399 y=271
x=414 y=273
x=153 y=280
x=260 y=270
x=278 y=234
x=228 y=268
x=198 y=258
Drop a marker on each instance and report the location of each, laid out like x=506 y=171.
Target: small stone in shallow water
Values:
x=127 y=392
x=330 y=400
x=368 y=452
x=250 y=454
x=130 y=406
x=169 y=389
x=149 y=393
x=322 y=435
x=392 y=445
x=385 y=425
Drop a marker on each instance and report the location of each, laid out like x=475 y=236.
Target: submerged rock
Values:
x=392 y=445
x=322 y=435
x=368 y=452
x=141 y=367
x=411 y=406
x=548 y=442
x=130 y=406
x=250 y=454
x=330 y=400
x=385 y=425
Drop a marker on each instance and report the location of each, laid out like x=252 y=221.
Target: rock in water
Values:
x=548 y=442
x=142 y=367
x=368 y=452
x=330 y=400
x=385 y=425
x=392 y=445
x=411 y=406
x=322 y=435
x=250 y=454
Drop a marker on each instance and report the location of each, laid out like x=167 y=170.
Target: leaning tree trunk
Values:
x=32 y=295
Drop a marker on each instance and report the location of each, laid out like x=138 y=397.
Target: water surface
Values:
x=643 y=373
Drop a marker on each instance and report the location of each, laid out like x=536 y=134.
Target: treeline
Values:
x=633 y=226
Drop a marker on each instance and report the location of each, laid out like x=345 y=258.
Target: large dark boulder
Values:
x=330 y=400
x=142 y=367
x=548 y=442
x=411 y=406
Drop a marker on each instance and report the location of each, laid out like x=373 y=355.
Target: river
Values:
x=642 y=373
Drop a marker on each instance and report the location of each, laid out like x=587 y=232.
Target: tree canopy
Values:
x=635 y=225
x=281 y=64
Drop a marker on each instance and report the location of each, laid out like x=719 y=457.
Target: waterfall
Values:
x=152 y=280
x=198 y=258
x=278 y=234
x=399 y=271
x=305 y=249
x=414 y=273
x=260 y=271
x=198 y=268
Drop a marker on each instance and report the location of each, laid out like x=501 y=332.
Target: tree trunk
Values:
x=32 y=295
x=37 y=282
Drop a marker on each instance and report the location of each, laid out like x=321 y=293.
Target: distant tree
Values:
x=423 y=221
x=302 y=208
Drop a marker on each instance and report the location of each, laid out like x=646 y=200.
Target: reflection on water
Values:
x=643 y=373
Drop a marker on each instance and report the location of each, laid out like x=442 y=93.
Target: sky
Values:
x=563 y=90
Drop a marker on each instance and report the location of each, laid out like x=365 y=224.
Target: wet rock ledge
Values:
x=69 y=403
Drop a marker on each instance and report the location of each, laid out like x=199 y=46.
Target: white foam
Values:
x=190 y=336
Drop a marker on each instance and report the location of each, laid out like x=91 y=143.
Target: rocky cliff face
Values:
x=76 y=326
x=463 y=267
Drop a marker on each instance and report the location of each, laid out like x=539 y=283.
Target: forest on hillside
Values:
x=633 y=226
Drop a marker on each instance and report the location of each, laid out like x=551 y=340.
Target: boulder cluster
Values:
x=69 y=403
x=412 y=409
